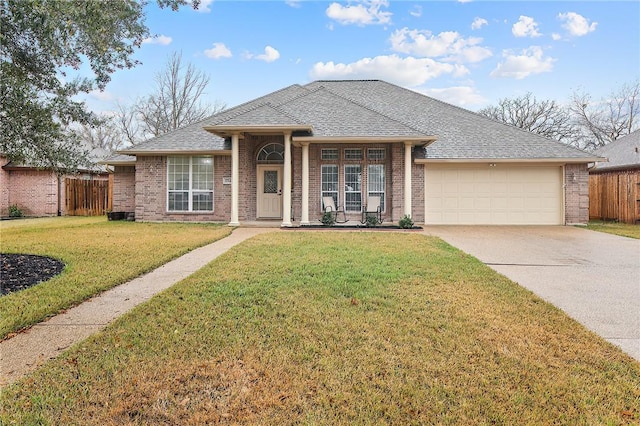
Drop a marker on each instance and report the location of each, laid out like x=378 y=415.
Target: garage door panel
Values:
x=504 y=194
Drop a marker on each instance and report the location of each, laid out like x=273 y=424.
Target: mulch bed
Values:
x=20 y=271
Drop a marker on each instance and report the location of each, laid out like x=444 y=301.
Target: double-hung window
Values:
x=330 y=182
x=190 y=184
x=375 y=182
x=352 y=183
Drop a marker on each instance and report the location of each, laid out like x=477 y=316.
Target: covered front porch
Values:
x=317 y=157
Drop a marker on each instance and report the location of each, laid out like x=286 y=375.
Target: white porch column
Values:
x=304 y=217
x=235 y=178
x=286 y=182
x=407 y=178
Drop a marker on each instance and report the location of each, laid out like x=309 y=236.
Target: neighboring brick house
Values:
x=36 y=192
x=275 y=157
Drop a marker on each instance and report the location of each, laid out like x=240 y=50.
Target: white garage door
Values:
x=500 y=194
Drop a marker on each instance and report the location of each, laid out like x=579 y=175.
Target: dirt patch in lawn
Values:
x=20 y=271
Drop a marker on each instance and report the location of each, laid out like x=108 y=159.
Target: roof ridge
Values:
x=369 y=108
x=262 y=105
x=244 y=104
x=286 y=114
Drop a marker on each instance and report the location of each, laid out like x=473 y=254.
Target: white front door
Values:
x=269 y=196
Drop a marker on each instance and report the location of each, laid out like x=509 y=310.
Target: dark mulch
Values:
x=20 y=271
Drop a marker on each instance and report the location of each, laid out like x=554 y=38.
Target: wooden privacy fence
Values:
x=87 y=197
x=615 y=196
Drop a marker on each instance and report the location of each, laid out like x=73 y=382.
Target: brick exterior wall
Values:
x=397 y=181
x=150 y=183
x=576 y=177
x=417 y=197
x=4 y=187
x=124 y=189
x=151 y=192
x=35 y=192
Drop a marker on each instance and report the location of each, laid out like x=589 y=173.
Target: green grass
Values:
x=98 y=255
x=617 y=228
x=336 y=328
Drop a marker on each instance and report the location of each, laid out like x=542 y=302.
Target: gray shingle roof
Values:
x=263 y=115
x=116 y=159
x=622 y=153
x=370 y=108
x=462 y=134
x=193 y=138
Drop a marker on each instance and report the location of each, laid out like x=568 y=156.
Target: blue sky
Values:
x=468 y=53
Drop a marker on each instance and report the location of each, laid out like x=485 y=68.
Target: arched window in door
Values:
x=272 y=153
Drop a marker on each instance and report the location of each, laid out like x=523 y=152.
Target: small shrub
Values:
x=406 y=222
x=328 y=219
x=371 y=221
x=14 y=211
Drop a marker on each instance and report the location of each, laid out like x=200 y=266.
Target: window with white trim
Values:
x=374 y=154
x=352 y=190
x=190 y=184
x=353 y=154
x=272 y=153
x=375 y=182
x=330 y=182
x=329 y=153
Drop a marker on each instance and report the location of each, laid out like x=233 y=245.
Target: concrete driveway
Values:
x=594 y=277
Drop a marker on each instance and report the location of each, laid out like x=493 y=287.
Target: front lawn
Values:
x=336 y=328
x=98 y=255
x=617 y=228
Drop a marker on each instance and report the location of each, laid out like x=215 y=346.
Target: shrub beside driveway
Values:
x=98 y=255
x=337 y=328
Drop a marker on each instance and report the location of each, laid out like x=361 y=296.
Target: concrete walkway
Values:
x=26 y=351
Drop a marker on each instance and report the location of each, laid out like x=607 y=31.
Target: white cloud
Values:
x=409 y=71
x=448 y=45
x=465 y=1
x=219 y=50
x=576 y=24
x=525 y=27
x=365 y=12
x=270 y=54
x=101 y=95
x=556 y=36
x=478 y=23
x=457 y=95
x=518 y=66
x=160 y=39
x=416 y=11
x=203 y=7
x=293 y=3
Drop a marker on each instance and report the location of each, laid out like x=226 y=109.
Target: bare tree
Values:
x=176 y=101
x=547 y=117
x=128 y=123
x=608 y=119
x=103 y=134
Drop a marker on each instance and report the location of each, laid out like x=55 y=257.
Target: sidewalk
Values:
x=26 y=351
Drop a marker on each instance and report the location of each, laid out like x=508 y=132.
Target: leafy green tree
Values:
x=42 y=43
